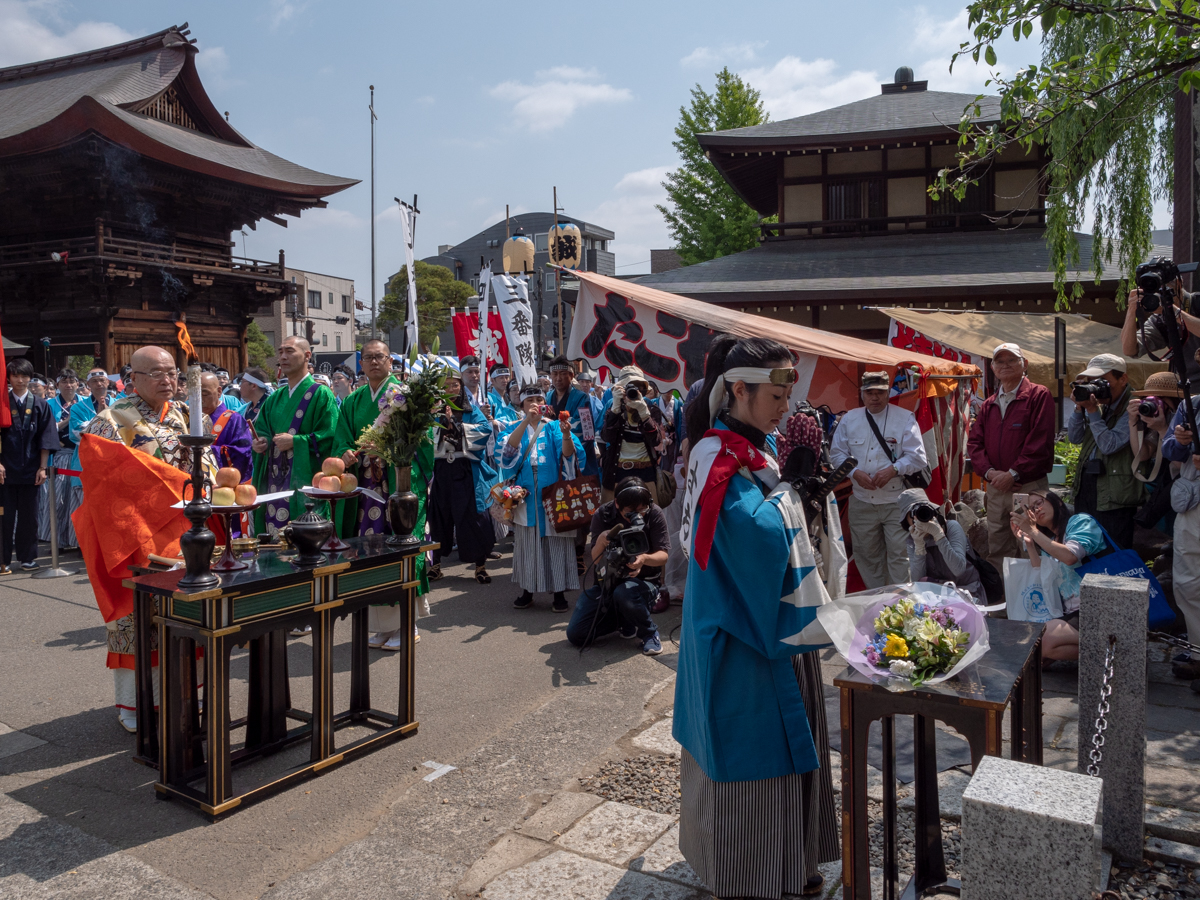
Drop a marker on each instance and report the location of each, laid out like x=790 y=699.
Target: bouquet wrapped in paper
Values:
x=912 y=634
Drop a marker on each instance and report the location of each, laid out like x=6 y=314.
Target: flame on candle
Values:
x=185 y=342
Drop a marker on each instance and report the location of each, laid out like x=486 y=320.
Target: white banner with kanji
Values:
x=512 y=299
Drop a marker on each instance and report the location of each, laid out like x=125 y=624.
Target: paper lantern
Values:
x=566 y=245
x=518 y=255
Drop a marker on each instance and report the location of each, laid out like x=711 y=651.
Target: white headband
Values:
x=748 y=374
x=246 y=376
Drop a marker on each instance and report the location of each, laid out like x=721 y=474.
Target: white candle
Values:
x=195 y=407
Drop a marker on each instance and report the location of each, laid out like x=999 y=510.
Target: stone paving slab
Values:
x=663 y=858
x=657 y=739
x=1173 y=824
x=556 y=817
x=951 y=785
x=615 y=832
x=564 y=875
x=510 y=851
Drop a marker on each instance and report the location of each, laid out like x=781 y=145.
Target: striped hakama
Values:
x=544 y=564
x=62 y=490
x=763 y=839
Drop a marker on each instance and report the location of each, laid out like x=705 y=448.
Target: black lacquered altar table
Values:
x=257 y=606
x=973 y=704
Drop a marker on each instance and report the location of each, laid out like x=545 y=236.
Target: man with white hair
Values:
x=886 y=441
x=1011 y=445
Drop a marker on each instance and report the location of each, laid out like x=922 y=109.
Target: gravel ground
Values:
x=1162 y=881
x=650 y=782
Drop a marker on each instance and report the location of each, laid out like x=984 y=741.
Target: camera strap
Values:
x=878 y=435
x=1158 y=458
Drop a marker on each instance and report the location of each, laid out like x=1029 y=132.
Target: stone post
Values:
x=1116 y=606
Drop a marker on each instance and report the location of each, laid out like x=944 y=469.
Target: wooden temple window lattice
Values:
x=166 y=107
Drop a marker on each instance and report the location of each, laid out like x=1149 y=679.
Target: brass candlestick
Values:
x=198 y=543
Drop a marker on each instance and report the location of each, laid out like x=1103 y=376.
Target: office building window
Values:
x=345 y=303
x=541 y=242
x=331 y=299
x=314 y=299
x=337 y=342
x=475 y=283
x=324 y=340
x=548 y=279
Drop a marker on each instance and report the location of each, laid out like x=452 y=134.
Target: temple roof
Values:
x=113 y=92
x=887 y=117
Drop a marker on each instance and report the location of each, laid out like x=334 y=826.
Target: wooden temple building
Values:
x=856 y=227
x=121 y=186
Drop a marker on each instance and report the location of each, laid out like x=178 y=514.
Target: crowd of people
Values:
x=769 y=758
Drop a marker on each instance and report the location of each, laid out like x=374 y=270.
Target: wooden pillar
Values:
x=1187 y=232
x=242 y=355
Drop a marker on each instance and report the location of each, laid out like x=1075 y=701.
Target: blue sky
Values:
x=486 y=104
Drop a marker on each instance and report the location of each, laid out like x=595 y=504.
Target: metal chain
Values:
x=1163 y=638
x=1102 y=708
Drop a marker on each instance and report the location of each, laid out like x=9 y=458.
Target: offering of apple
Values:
x=334 y=478
x=229 y=491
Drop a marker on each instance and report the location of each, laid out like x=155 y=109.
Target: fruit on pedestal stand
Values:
x=330 y=483
x=333 y=466
x=349 y=483
x=246 y=494
x=228 y=477
x=316 y=482
x=224 y=496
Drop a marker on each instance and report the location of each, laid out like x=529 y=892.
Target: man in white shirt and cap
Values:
x=887 y=443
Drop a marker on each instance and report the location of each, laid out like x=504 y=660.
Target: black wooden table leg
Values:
x=856 y=862
x=322 y=746
x=407 y=710
x=929 y=863
x=147 y=720
x=219 y=775
x=891 y=872
x=360 y=665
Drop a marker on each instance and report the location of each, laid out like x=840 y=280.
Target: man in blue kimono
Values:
x=462 y=484
x=24 y=454
x=570 y=399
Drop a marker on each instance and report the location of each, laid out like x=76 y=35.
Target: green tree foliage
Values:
x=705 y=217
x=1101 y=100
x=81 y=364
x=258 y=349
x=437 y=291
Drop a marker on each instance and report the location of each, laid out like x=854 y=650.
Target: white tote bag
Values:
x=1031 y=594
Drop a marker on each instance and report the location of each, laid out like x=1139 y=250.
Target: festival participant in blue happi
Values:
x=60 y=407
x=462 y=483
x=504 y=412
x=566 y=398
x=757 y=815
x=533 y=452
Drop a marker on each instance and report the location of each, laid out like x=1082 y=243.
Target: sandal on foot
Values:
x=482 y=576
x=523 y=602
x=434 y=572
x=559 y=605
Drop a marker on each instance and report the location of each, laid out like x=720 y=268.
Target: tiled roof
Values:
x=45 y=105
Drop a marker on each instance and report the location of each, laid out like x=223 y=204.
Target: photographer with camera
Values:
x=937 y=547
x=1104 y=483
x=1150 y=336
x=631 y=432
x=629 y=544
x=1149 y=425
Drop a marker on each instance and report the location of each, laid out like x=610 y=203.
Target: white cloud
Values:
x=213 y=63
x=32 y=30
x=555 y=95
x=738 y=54
x=283 y=11
x=795 y=87
x=630 y=213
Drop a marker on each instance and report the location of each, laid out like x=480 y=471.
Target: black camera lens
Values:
x=1081 y=393
x=924 y=513
x=632 y=393
x=1149 y=407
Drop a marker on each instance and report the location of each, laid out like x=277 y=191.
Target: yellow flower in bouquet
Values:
x=895 y=646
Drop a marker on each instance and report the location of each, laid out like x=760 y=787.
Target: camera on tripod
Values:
x=625 y=544
x=1099 y=389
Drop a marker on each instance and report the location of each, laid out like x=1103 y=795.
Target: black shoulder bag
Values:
x=916 y=479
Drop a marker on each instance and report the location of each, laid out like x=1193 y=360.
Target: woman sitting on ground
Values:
x=938 y=550
x=1047 y=531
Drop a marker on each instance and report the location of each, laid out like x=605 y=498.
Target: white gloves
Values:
x=618 y=394
x=639 y=407
x=920 y=530
x=934 y=530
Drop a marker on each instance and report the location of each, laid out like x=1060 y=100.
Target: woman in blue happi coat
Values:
x=757 y=815
x=533 y=452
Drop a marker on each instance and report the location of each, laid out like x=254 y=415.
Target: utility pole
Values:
x=371 y=107
x=557 y=274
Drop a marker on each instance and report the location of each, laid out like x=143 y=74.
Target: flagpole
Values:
x=371 y=107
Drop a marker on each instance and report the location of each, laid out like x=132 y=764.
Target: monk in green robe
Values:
x=294 y=434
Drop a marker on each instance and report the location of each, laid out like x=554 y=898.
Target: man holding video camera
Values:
x=1104 y=484
x=629 y=543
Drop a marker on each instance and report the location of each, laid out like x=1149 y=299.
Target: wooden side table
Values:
x=256 y=606
x=973 y=704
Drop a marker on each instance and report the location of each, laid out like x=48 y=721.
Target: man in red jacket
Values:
x=1011 y=445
